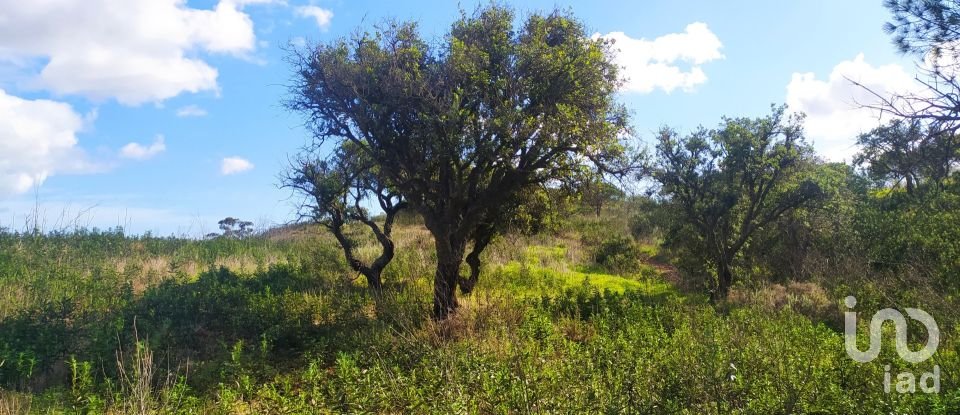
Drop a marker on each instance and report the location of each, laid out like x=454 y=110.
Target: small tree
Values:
x=334 y=192
x=596 y=193
x=463 y=126
x=233 y=228
x=729 y=182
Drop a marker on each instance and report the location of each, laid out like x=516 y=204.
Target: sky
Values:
x=165 y=116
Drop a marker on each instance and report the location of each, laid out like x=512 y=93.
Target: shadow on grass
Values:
x=275 y=319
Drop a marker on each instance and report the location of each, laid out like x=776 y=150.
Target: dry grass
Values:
x=806 y=298
x=144 y=386
x=147 y=272
x=12 y=403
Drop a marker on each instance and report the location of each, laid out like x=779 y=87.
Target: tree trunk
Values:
x=481 y=238
x=374 y=282
x=724 y=281
x=374 y=270
x=445 y=291
x=449 y=259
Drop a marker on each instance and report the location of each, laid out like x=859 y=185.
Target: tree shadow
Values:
x=274 y=319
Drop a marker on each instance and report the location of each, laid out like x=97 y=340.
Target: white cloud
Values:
x=234 y=165
x=137 y=151
x=241 y=3
x=191 y=111
x=835 y=106
x=134 y=51
x=321 y=15
x=658 y=63
x=37 y=139
x=298 y=41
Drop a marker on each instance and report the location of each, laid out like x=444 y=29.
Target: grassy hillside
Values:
x=99 y=322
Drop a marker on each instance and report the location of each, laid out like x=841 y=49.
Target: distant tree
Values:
x=596 y=193
x=907 y=151
x=540 y=210
x=334 y=192
x=233 y=228
x=727 y=183
x=463 y=126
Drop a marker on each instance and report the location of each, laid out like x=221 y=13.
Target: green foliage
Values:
x=552 y=334
x=609 y=353
x=465 y=129
x=908 y=151
x=725 y=184
x=619 y=254
x=907 y=232
x=925 y=28
x=540 y=210
x=796 y=246
x=596 y=193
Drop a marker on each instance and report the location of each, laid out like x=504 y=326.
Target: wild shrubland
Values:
x=592 y=317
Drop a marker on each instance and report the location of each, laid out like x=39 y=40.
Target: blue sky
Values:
x=166 y=116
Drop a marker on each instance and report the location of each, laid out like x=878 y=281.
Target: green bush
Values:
x=620 y=255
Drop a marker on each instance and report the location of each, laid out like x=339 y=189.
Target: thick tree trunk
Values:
x=374 y=282
x=445 y=290
x=449 y=259
x=724 y=282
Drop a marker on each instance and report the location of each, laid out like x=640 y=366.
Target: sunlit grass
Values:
x=546 y=269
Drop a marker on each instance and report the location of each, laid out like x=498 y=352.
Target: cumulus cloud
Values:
x=320 y=15
x=835 y=106
x=37 y=139
x=668 y=62
x=241 y=3
x=134 y=51
x=234 y=165
x=137 y=151
x=191 y=111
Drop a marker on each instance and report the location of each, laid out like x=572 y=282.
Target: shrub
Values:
x=620 y=255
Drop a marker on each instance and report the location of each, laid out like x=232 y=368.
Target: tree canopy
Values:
x=461 y=127
x=727 y=183
x=907 y=151
x=928 y=28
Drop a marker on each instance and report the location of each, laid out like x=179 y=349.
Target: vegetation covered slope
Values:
x=584 y=319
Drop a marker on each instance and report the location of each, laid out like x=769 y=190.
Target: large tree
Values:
x=463 y=126
x=728 y=182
